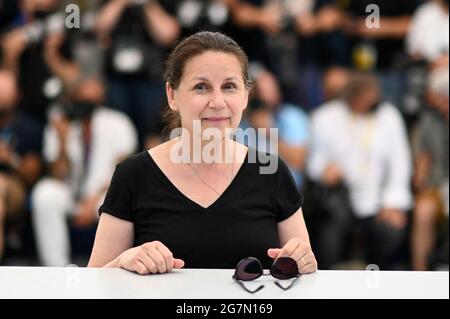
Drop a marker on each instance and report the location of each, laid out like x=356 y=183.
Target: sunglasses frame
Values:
x=272 y=273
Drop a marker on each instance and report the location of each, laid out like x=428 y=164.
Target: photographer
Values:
x=360 y=162
x=20 y=162
x=36 y=51
x=82 y=146
x=136 y=35
x=291 y=39
x=379 y=47
x=430 y=145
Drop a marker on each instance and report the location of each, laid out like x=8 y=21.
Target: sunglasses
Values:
x=250 y=268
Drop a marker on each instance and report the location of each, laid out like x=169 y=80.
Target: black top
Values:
x=242 y=222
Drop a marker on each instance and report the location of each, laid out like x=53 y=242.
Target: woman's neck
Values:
x=206 y=152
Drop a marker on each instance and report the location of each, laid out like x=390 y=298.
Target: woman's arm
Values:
x=293 y=227
x=294 y=240
x=113 y=248
x=114 y=236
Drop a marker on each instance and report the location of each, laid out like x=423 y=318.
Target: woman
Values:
x=161 y=214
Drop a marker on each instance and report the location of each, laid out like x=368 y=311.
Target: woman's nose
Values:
x=217 y=101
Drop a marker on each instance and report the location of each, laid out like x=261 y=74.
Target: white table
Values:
x=40 y=282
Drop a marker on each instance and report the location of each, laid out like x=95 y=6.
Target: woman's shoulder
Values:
x=265 y=163
x=160 y=154
x=261 y=158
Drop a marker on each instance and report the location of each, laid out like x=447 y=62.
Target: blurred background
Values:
x=358 y=89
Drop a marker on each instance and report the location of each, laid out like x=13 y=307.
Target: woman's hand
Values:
x=150 y=258
x=298 y=250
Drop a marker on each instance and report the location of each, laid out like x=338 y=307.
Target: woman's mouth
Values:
x=215 y=119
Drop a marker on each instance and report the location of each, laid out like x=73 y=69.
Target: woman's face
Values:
x=211 y=90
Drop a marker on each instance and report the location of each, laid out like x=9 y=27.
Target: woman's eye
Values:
x=230 y=86
x=201 y=87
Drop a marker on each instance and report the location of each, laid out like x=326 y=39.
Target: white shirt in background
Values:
x=372 y=151
x=428 y=35
x=113 y=137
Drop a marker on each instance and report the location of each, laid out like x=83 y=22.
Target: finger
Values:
x=158 y=259
x=305 y=259
x=298 y=254
x=178 y=263
x=309 y=262
x=167 y=254
x=289 y=248
x=309 y=268
x=273 y=252
x=140 y=268
x=148 y=262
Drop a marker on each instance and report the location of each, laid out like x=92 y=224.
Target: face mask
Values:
x=41 y=14
x=79 y=111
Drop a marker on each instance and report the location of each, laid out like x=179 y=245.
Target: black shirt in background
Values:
x=34 y=74
x=317 y=49
x=252 y=40
x=131 y=31
x=241 y=223
x=389 y=51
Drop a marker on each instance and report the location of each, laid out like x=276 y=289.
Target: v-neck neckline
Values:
x=214 y=204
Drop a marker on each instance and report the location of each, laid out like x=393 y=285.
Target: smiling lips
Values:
x=215 y=118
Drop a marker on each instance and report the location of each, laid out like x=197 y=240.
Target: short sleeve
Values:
x=286 y=198
x=118 y=199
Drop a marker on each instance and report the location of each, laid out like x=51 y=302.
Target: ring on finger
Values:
x=303 y=260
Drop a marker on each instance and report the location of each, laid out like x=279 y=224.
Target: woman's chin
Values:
x=218 y=124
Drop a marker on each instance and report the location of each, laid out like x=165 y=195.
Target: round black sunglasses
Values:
x=250 y=268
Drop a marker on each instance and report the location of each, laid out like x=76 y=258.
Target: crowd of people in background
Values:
x=360 y=103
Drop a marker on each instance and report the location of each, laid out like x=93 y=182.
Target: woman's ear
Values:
x=247 y=94
x=170 y=92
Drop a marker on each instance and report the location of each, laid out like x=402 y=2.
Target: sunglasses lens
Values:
x=248 y=269
x=284 y=268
